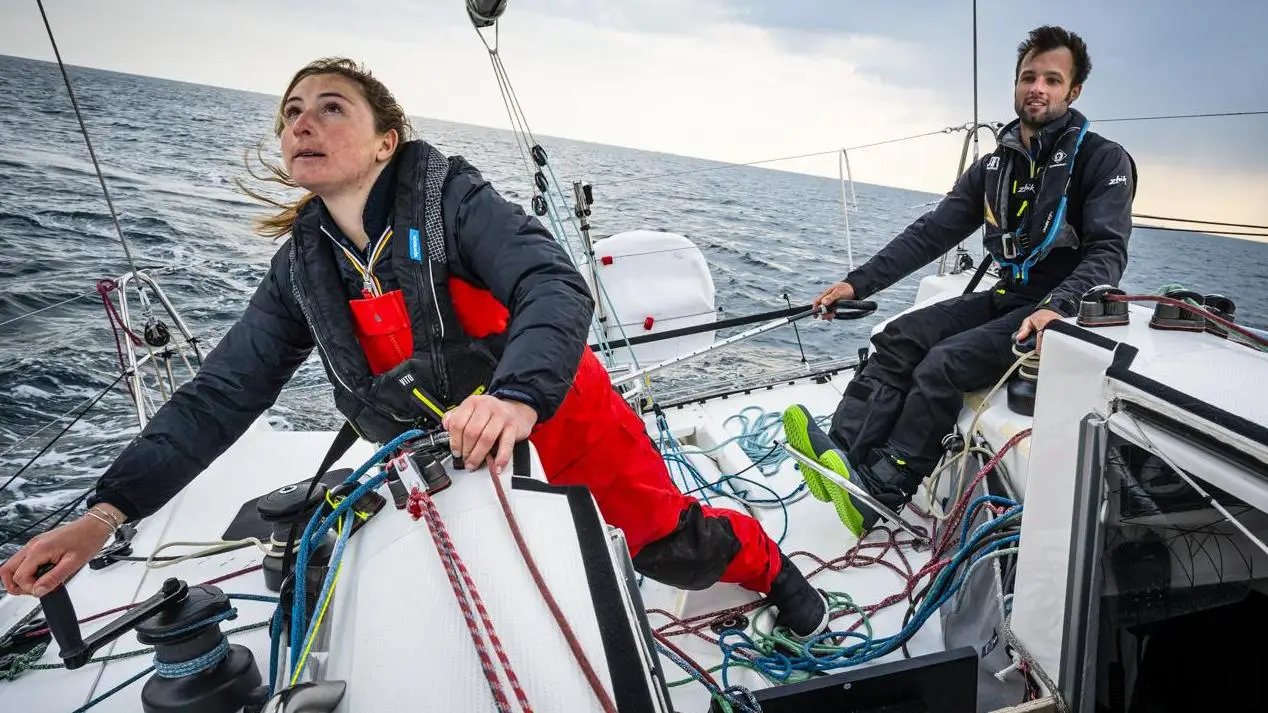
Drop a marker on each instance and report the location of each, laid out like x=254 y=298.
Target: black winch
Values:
x=196 y=669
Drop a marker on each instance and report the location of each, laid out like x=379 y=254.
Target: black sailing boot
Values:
x=892 y=480
x=802 y=608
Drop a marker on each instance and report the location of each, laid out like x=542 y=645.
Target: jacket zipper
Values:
x=365 y=268
x=312 y=323
x=316 y=330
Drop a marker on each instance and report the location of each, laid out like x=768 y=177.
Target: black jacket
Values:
x=1100 y=205
x=498 y=247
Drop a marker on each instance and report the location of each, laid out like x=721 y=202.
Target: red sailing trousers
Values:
x=596 y=440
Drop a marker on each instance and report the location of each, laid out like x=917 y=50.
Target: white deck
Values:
x=396 y=627
x=813 y=527
x=398 y=632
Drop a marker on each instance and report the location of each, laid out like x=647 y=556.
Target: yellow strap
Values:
x=378 y=249
x=427 y=402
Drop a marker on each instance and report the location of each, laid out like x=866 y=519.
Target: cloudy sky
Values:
x=740 y=80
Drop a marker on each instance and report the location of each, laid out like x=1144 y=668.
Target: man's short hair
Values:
x=1049 y=37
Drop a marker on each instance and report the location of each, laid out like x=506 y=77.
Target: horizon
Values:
x=722 y=165
x=654 y=80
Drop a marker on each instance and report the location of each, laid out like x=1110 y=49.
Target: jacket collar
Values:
x=376 y=215
x=1044 y=139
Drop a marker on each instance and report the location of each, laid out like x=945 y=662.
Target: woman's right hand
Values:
x=68 y=547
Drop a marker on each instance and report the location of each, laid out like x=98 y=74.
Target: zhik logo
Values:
x=1117 y=180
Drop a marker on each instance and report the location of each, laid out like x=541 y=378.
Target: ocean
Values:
x=170 y=151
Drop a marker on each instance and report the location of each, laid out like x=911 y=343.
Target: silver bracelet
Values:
x=104 y=518
x=106 y=513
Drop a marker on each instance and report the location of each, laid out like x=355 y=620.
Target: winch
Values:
x=196 y=669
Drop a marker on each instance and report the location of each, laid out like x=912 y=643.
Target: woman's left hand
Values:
x=482 y=422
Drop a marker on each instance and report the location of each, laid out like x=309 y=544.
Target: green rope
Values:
x=17 y=664
x=14 y=665
x=767 y=641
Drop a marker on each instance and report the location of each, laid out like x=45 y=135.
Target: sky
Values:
x=740 y=80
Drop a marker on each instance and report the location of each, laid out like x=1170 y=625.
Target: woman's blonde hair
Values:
x=388 y=115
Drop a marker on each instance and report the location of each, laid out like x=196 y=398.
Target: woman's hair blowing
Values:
x=388 y=115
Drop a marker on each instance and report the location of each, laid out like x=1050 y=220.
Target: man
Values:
x=1052 y=244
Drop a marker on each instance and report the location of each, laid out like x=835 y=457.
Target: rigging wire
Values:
x=1200 y=222
x=1195 y=230
x=45 y=309
x=651 y=176
x=1186 y=116
x=83 y=129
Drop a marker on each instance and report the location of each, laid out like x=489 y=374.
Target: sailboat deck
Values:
x=813 y=533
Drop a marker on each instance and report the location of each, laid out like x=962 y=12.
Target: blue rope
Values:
x=255 y=598
x=199 y=664
x=177 y=669
x=757 y=438
x=336 y=558
x=737 y=696
x=819 y=654
x=314 y=532
x=113 y=691
x=275 y=639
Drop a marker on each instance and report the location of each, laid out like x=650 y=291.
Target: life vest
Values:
x=431 y=343
x=1018 y=240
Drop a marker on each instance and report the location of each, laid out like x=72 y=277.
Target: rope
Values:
x=728 y=699
x=17 y=664
x=1213 y=232
x=1202 y=222
x=468 y=597
x=64 y=511
x=333 y=571
x=126 y=607
x=13 y=446
x=195 y=665
x=113 y=691
x=818 y=655
x=1033 y=667
x=780 y=659
x=526 y=143
x=1255 y=339
x=605 y=701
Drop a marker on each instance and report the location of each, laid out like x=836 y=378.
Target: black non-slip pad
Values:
x=247 y=523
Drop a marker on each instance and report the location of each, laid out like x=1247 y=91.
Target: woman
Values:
x=431 y=301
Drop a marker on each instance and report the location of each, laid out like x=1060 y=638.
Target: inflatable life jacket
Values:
x=1019 y=239
x=400 y=359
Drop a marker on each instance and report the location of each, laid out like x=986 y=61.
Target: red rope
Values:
x=455 y=569
x=104 y=287
x=125 y=607
x=952 y=525
x=855 y=557
x=599 y=691
x=1192 y=308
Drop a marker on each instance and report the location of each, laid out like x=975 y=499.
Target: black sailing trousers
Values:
x=910 y=391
